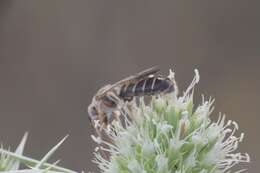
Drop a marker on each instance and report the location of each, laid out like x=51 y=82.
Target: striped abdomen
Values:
x=149 y=86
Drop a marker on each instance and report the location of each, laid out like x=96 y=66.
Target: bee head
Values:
x=92 y=112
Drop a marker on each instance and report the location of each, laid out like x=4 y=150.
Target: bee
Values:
x=107 y=104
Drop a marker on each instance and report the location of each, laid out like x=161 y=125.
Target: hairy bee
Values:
x=106 y=105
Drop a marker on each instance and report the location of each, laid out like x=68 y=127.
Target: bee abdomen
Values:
x=149 y=86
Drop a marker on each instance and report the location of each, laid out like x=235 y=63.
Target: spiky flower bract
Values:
x=10 y=161
x=170 y=135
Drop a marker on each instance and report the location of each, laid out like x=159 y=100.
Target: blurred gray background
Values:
x=55 y=54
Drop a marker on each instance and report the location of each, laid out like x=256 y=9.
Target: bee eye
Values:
x=92 y=112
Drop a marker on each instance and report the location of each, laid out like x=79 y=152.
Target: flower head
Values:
x=169 y=134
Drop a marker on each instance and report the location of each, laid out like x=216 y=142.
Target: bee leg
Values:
x=121 y=113
x=102 y=135
x=120 y=104
x=113 y=97
x=171 y=76
x=127 y=116
x=116 y=115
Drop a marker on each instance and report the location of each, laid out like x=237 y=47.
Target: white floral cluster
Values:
x=170 y=135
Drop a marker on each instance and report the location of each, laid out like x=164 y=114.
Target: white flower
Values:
x=169 y=135
x=162 y=163
x=134 y=166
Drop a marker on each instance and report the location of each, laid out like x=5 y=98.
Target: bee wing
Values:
x=137 y=77
x=147 y=72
